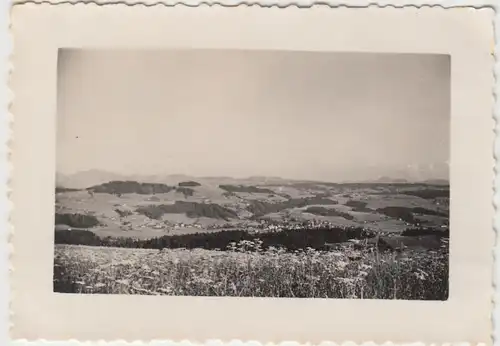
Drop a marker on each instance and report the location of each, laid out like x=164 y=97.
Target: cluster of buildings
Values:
x=266 y=225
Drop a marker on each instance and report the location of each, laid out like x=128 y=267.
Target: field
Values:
x=248 y=272
x=261 y=238
x=134 y=210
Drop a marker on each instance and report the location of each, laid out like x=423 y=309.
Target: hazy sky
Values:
x=328 y=116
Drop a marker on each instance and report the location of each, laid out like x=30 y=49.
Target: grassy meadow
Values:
x=248 y=271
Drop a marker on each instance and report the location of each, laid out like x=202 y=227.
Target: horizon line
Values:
x=368 y=180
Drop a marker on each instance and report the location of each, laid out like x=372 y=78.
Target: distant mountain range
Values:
x=94 y=177
x=389 y=180
x=437 y=182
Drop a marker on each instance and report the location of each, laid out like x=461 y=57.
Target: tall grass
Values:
x=248 y=271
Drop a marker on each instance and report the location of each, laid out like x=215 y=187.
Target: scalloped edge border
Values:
x=218 y=342
x=7 y=135
x=444 y=4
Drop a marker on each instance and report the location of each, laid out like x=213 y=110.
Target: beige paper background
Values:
x=465 y=34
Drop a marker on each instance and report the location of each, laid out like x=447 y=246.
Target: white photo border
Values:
x=45 y=174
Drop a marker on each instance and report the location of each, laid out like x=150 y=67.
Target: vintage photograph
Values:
x=253 y=174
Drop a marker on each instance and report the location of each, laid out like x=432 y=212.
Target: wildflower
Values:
x=365 y=267
x=421 y=275
x=341 y=264
x=348 y=281
x=167 y=290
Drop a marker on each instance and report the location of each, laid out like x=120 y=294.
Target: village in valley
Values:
x=355 y=221
x=128 y=209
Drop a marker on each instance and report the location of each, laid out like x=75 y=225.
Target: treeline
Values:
x=186 y=191
x=65 y=189
x=358 y=206
x=319 y=239
x=189 y=183
x=407 y=214
x=245 y=188
x=288 y=239
x=423 y=231
x=124 y=187
x=76 y=220
x=79 y=237
x=429 y=193
x=191 y=209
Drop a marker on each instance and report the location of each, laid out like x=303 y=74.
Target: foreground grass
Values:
x=272 y=273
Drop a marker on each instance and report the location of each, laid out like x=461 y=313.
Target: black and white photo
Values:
x=253 y=174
